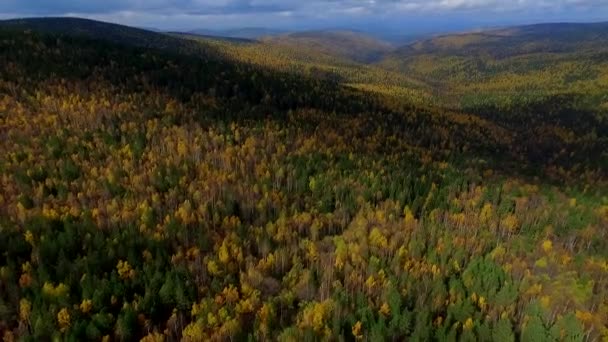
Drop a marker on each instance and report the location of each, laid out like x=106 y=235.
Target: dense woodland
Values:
x=200 y=192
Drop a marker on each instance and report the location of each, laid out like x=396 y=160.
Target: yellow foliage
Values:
x=603 y=211
x=231 y=293
x=312 y=251
x=482 y=303
x=124 y=270
x=223 y=313
x=193 y=332
x=458 y=219
x=25 y=308
x=385 y=310
x=468 y=325
x=486 y=213
x=541 y=263
x=86 y=306
x=545 y=301
x=376 y=238
x=370 y=282
x=316 y=316
x=63 y=319
x=154 y=337
x=584 y=316
x=246 y=305
x=50 y=213
x=534 y=290
x=265 y=312
x=213 y=268
x=511 y=223
x=356 y=330
x=212 y=319
x=223 y=253
x=409 y=216
x=547 y=246
x=184 y=213
x=58 y=291
x=29 y=237
x=196 y=309
x=182 y=149
x=498 y=252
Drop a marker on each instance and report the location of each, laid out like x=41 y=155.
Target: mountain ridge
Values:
x=94 y=29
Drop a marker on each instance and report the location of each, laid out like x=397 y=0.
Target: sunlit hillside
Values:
x=498 y=65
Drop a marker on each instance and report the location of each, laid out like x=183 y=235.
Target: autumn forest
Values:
x=165 y=187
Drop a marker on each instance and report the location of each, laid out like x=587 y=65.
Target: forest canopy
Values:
x=202 y=192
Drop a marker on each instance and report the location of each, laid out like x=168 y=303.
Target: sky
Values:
x=415 y=16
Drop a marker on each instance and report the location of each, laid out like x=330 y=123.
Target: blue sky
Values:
x=415 y=16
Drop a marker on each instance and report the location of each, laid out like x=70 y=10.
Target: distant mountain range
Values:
x=245 y=33
x=349 y=45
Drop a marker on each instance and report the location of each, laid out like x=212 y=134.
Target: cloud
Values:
x=51 y=7
x=269 y=11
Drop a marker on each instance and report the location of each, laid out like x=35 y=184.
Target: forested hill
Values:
x=86 y=28
x=508 y=42
x=160 y=195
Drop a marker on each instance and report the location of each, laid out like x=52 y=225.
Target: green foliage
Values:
x=534 y=330
x=503 y=331
x=484 y=278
